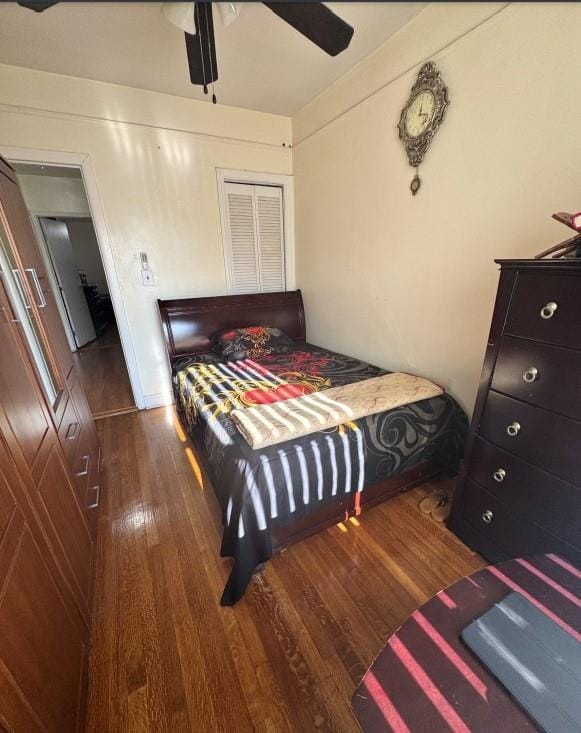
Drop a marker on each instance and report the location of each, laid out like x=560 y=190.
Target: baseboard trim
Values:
x=113 y=413
x=159 y=399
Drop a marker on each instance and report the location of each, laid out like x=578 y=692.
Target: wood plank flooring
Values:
x=103 y=372
x=288 y=656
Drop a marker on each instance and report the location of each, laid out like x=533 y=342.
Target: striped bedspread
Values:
x=270 y=424
x=278 y=485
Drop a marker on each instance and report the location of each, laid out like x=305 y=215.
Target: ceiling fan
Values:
x=312 y=19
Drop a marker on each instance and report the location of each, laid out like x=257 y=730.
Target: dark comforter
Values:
x=258 y=489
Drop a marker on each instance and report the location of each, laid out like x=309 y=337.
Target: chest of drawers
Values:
x=519 y=491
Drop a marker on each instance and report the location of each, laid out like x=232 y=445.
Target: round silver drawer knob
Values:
x=487 y=516
x=513 y=429
x=530 y=374
x=548 y=310
x=499 y=475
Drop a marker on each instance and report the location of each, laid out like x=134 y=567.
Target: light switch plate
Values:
x=147 y=276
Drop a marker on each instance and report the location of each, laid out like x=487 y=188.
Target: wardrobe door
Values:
x=43 y=648
x=14 y=214
x=23 y=406
x=46 y=342
x=35 y=449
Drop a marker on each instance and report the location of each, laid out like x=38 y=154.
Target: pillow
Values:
x=252 y=342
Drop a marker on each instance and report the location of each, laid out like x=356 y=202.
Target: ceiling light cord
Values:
x=199 y=34
x=214 y=98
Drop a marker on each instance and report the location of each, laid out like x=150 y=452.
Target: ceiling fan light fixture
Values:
x=181 y=15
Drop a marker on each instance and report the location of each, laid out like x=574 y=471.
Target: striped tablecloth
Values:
x=425 y=679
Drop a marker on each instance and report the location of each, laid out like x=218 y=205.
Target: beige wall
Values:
x=409 y=283
x=155 y=158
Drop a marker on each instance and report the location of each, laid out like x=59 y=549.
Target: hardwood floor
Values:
x=104 y=375
x=288 y=656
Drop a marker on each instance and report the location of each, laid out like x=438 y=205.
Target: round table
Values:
x=426 y=679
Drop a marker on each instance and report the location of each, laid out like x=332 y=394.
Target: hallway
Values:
x=104 y=375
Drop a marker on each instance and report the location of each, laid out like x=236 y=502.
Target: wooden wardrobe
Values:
x=49 y=492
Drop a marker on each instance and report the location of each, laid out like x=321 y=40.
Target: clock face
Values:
x=419 y=113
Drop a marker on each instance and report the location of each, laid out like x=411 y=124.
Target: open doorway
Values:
x=62 y=222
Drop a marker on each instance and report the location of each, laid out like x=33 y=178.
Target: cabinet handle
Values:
x=41 y=299
x=530 y=374
x=72 y=431
x=499 y=475
x=548 y=310
x=487 y=516
x=21 y=289
x=85 y=470
x=94 y=503
x=513 y=429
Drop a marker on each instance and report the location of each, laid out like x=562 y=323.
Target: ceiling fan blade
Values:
x=201 y=47
x=319 y=24
x=37 y=7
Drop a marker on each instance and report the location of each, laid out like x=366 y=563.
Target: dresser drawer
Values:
x=504 y=530
x=530 y=493
x=546 y=307
x=541 y=438
x=543 y=375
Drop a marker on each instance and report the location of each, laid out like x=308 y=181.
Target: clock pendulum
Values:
x=416 y=182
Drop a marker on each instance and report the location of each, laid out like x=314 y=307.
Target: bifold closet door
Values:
x=254 y=238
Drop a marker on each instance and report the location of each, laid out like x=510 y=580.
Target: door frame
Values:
x=84 y=163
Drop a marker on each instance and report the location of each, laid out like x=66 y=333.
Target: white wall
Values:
x=409 y=282
x=154 y=158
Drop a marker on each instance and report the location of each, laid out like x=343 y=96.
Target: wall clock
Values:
x=422 y=116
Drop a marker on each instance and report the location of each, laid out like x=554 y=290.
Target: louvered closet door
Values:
x=254 y=245
x=268 y=202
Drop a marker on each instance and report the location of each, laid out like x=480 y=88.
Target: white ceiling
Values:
x=264 y=64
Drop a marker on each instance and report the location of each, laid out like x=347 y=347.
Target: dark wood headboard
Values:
x=188 y=323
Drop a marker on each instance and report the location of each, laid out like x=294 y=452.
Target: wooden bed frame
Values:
x=188 y=324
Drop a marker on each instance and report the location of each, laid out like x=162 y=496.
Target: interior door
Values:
x=62 y=255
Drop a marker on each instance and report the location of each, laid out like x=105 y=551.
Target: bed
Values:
x=278 y=495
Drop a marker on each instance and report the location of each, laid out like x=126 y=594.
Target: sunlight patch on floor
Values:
x=195 y=467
